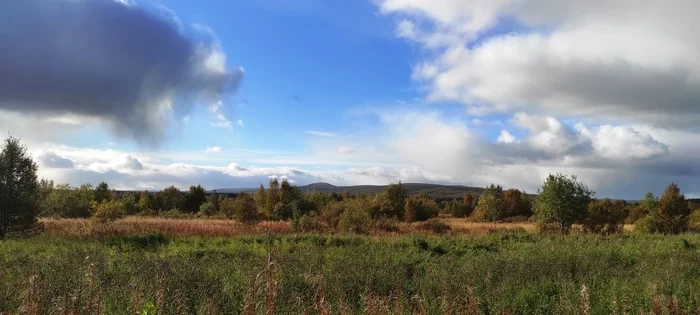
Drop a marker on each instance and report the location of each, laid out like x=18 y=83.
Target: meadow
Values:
x=198 y=266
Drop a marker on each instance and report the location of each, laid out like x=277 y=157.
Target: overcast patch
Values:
x=122 y=64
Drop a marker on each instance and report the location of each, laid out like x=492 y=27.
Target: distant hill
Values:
x=432 y=190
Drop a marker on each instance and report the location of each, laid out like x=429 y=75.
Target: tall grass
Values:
x=223 y=228
x=504 y=272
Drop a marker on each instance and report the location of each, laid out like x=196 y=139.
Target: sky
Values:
x=145 y=94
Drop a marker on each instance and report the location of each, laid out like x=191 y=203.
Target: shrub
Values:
x=243 y=209
x=433 y=225
x=355 y=218
x=635 y=213
x=174 y=213
x=330 y=214
x=670 y=216
x=207 y=209
x=426 y=208
x=385 y=225
x=308 y=224
x=694 y=221
x=605 y=217
x=107 y=211
x=561 y=202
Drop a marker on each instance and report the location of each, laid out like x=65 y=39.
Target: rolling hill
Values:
x=432 y=190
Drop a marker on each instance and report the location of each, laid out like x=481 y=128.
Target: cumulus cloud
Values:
x=619 y=61
x=506 y=137
x=212 y=149
x=118 y=62
x=53 y=160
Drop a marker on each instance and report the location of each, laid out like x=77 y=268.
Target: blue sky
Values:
x=152 y=93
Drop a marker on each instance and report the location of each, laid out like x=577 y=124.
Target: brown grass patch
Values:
x=137 y=225
x=168 y=227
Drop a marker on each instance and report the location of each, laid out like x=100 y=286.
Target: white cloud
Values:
x=619 y=61
x=212 y=149
x=506 y=137
x=320 y=133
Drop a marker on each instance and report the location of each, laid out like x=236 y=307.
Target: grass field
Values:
x=491 y=271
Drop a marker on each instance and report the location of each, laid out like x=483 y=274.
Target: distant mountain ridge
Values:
x=435 y=191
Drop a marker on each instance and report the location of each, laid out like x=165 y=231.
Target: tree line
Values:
x=561 y=202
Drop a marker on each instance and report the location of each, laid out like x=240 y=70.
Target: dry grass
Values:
x=464 y=226
x=221 y=227
x=168 y=227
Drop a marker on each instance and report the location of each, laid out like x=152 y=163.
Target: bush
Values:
x=355 y=218
x=434 y=225
x=207 y=209
x=694 y=221
x=386 y=225
x=604 y=217
x=308 y=224
x=243 y=209
x=635 y=213
x=561 y=202
x=331 y=213
x=107 y=211
x=174 y=213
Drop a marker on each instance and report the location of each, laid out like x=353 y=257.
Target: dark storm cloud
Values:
x=107 y=60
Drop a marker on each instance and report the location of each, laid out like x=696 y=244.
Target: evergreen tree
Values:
x=19 y=189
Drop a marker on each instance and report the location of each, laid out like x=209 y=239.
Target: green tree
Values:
x=101 y=192
x=390 y=202
x=671 y=214
x=272 y=203
x=242 y=208
x=145 y=200
x=426 y=207
x=106 y=211
x=207 y=209
x=356 y=217
x=467 y=204
x=605 y=216
x=260 y=198
x=64 y=201
x=457 y=209
x=289 y=198
x=491 y=206
x=516 y=203
x=410 y=212
x=172 y=198
x=561 y=202
x=194 y=198
x=130 y=204
x=214 y=199
x=19 y=189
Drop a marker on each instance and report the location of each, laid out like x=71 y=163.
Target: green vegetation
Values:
x=19 y=189
x=561 y=202
x=515 y=272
